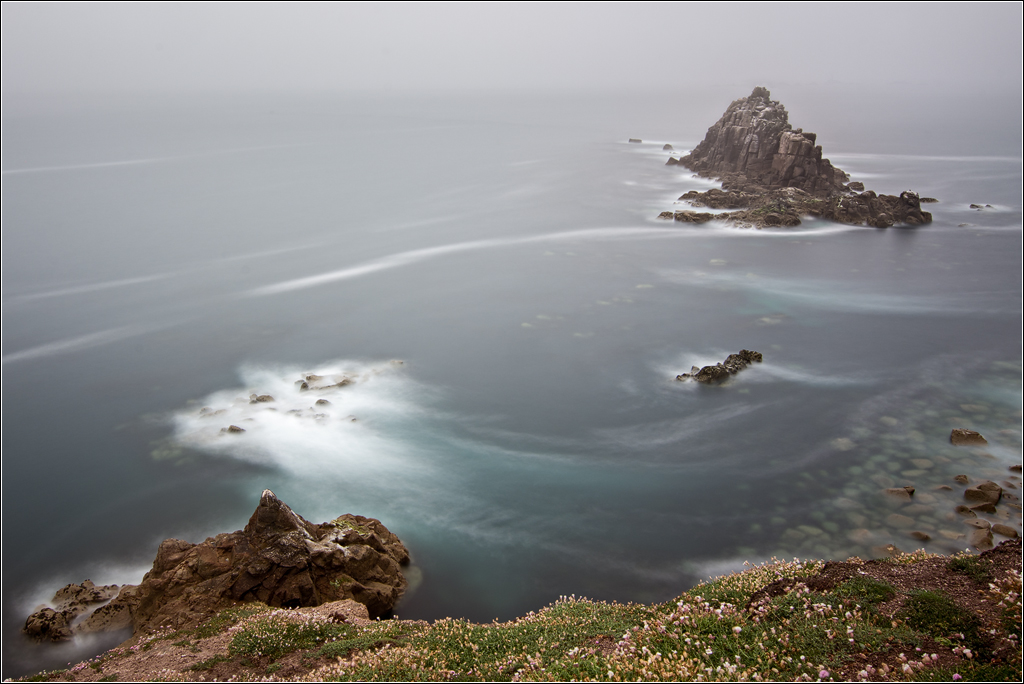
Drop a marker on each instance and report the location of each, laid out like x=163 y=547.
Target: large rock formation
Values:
x=777 y=174
x=279 y=558
x=754 y=141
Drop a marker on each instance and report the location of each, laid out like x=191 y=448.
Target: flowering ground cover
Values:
x=913 y=617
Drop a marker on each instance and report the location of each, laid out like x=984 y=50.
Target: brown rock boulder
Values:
x=962 y=437
x=47 y=623
x=981 y=539
x=693 y=216
x=280 y=559
x=984 y=492
x=900 y=493
x=68 y=603
x=1005 y=530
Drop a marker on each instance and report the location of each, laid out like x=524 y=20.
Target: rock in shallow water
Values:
x=962 y=437
x=719 y=372
x=984 y=492
x=69 y=602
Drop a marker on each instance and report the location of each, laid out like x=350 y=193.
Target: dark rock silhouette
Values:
x=733 y=364
x=777 y=174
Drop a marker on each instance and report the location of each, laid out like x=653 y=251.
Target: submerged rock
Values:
x=981 y=539
x=279 y=558
x=900 y=493
x=1005 y=530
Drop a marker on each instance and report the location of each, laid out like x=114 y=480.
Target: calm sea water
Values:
x=166 y=256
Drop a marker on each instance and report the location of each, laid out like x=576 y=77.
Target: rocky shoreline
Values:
x=912 y=616
x=279 y=560
x=190 y=611
x=773 y=175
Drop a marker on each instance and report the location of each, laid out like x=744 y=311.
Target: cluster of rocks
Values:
x=733 y=364
x=279 y=559
x=776 y=174
x=308 y=382
x=980 y=497
x=57 y=623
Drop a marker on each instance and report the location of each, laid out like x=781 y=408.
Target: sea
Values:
x=490 y=271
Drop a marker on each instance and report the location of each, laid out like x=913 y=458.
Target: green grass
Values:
x=277 y=633
x=935 y=614
x=707 y=633
x=866 y=591
x=973 y=566
x=712 y=633
x=209 y=663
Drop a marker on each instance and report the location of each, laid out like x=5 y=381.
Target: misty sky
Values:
x=242 y=47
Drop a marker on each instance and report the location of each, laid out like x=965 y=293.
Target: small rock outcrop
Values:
x=55 y=623
x=733 y=364
x=962 y=437
x=280 y=559
x=984 y=492
x=778 y=174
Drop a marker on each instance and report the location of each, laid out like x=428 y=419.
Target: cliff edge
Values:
x=280 y=559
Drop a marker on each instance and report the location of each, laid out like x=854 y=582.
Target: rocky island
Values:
x=773 y=174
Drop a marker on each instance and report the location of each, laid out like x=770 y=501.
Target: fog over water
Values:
x=181 y=233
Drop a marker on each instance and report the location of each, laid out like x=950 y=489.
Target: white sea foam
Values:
x=658 y=434
x=819 y=294
x=922 y=157
x=362 y=429
x=770 y=372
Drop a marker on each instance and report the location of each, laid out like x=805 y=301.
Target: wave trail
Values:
x=82 y=289
x=75 y=344
x=143 y=161
x=418 y=255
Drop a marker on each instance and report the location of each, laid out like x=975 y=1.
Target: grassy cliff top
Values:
x=915 y=617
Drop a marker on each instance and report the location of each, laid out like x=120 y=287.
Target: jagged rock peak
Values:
x=754 y=144
x=273 y=518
